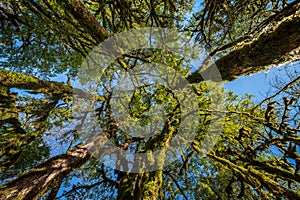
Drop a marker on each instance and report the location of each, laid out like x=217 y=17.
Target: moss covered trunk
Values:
x=272 y=47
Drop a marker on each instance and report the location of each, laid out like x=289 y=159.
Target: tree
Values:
x=256 y=156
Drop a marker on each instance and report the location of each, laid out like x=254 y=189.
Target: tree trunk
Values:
x=272 y=47
x=146 y=185
x=34 y=183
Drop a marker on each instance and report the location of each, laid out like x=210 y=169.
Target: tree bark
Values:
x=34 y=183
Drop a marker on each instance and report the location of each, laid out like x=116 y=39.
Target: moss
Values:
x=9 y=78
x=3 y=192
x=151 y=187
x=3 y=91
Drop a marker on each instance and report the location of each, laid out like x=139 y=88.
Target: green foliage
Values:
x=256 y=156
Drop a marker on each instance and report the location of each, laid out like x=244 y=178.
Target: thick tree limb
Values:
x=270 y=48
x=11 y=79
x=22 y=81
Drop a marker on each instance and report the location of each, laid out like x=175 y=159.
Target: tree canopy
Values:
x=224 y=146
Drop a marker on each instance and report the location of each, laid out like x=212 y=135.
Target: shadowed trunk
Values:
x=34 y=183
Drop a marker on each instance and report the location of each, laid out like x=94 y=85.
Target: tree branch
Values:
x=176 y=183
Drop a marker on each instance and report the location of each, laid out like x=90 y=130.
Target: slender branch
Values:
x=278 y=92
x=176 y=183
x=82 y=187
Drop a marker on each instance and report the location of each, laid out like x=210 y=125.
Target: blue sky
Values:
x=260 y=84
